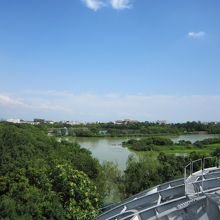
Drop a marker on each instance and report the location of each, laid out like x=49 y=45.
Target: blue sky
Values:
x=104 y=60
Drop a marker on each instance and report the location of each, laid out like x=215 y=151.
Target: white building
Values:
x=14 y=120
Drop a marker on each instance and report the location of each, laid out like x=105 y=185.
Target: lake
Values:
x=110 y=149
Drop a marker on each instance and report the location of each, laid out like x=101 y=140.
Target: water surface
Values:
x=107 y=149
x=193 y=137
x=110 y=149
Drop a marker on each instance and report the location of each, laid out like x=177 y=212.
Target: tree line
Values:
x=153 y=143
x=41 y=178
x=131 y=129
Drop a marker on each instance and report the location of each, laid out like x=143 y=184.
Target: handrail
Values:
x=170 y=201
x=147 y=209
x=203 y=160
x=143 y=197
x=189 y=171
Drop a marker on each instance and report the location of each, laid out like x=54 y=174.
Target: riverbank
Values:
x=110 y=148
x=167 y=146
x=128 y=128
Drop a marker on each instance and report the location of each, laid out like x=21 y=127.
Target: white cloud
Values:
x=91 y=107
x=115 y=4
x=29 y=102
x=7 y=100
x=94 y=4
x=196 y=35
x=120 y=4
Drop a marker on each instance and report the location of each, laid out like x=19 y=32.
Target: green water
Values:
x=110 y=149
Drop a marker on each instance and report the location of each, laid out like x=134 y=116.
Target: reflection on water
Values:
x=107 y=149
x=111 y=149
x=194 y=137
x=181 y=154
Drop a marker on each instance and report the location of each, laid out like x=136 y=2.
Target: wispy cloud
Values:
x=91 y=107
x=34 y=102
x=120 y=4
x=9 y=101
x=94 y=4
x=196 y=35
x=115 y=4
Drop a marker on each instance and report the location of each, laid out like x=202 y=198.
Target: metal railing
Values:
x=190 y=169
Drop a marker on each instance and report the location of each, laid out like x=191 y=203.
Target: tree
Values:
x=19 y=199
x=33 y=186
x=77 y=193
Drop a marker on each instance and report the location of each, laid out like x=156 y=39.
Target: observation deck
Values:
x=196 y=196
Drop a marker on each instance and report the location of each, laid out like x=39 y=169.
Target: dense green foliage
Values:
x=216 y=152
x=78 y=194
x=156 y=167
x=131 y=128
x=43 y=179
x=147 y=144
x=163 y=144
x=112 y=182
x=207 y=141
x=148 y=172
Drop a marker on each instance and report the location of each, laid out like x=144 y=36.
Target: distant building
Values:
x=39 y=120
x=14 y=120
x=72 y=122
x=50 y=122
x=29 y=122
x=125 y=121
x=161 y=122
x=118 y=122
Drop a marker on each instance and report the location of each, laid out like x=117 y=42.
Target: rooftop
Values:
x=196 y=196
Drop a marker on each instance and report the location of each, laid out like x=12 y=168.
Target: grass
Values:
x=174 y=149
x=185 y=149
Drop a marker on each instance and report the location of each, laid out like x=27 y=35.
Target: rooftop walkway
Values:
x=196 y=196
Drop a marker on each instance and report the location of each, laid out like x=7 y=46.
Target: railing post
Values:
x=217 y=160
x=191 y=168
x=185 y=179
x=202 y=171
x=201 y=165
